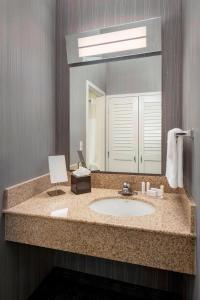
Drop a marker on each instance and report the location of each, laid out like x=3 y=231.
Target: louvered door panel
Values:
x=150 y=133
x=123 y=134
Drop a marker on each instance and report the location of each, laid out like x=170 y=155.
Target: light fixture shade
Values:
x=141 y=37
x=115 y=36
x=113 y=47
x=57 y=169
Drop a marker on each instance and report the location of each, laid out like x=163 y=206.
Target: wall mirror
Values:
x=116 y=113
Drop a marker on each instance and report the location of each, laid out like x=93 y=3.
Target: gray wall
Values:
x=78 y=75
x=27 y=108
x=134 y=76
x=191 y=113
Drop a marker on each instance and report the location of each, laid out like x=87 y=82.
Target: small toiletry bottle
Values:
x=162 y=191
x=143 y=187
x=148 y=186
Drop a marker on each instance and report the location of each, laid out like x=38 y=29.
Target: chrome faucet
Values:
x=126 y=188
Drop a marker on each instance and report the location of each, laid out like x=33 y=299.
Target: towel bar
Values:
x=188 y=133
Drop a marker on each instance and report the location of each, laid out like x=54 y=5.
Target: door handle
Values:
x=141 y=159
x=134 y=158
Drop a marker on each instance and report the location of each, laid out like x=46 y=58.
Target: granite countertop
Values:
x=165 y=239
x=174 y=214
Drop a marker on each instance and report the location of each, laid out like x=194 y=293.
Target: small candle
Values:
x=143 y=187
x=162 y=191
x=81 y=146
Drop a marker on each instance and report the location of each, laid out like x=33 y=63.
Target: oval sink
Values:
x=120 y=207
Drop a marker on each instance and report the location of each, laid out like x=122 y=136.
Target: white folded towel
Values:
x=82 y=172
x=174 y=164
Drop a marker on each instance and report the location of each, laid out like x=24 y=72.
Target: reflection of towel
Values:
x=174 y=166
x=81 y=171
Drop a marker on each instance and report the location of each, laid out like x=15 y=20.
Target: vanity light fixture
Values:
x=115 y=36
x=122 y=40
x=117 y=41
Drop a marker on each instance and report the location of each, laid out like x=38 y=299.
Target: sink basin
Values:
x=120 y=207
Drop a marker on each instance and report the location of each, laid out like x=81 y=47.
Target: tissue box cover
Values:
x=80 y=185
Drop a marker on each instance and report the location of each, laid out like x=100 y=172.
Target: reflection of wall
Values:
x=191 y=114
x=78 y=77
x=134 y=76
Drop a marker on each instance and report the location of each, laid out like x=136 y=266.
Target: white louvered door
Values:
x=122 y=143
x=150 y=112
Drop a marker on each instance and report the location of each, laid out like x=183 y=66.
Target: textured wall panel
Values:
x=191 y=114
x=27 y=134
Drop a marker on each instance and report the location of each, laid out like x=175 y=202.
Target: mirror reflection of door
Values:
x=150 y=127
x=134 y=133
x=122 y=132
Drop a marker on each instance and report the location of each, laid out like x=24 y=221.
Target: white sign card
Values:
x=57 y=169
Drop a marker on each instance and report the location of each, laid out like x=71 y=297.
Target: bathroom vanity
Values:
x=164 y=238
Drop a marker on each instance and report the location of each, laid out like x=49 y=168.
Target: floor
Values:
x=64 y=284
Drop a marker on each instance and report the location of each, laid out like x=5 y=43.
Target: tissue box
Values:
x=80 y=185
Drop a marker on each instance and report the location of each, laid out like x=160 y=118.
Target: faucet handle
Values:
x=126 y=187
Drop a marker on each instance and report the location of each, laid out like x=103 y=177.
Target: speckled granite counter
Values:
x=164 y=240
